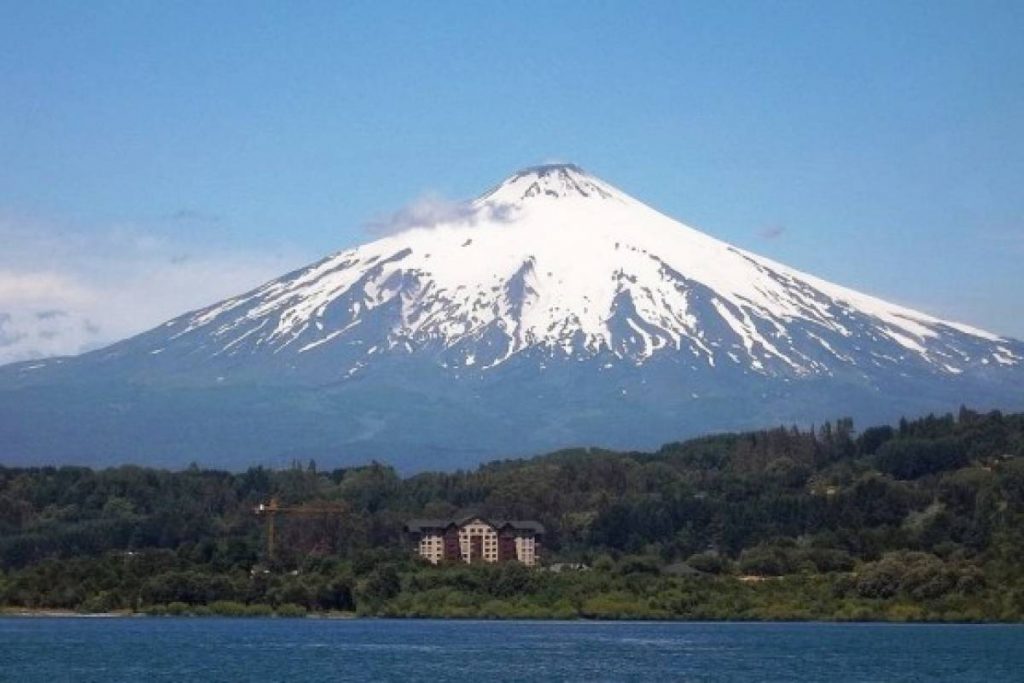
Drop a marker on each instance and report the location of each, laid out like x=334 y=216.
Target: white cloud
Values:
x=431 y=210
x=39 y=287
x=65 y=290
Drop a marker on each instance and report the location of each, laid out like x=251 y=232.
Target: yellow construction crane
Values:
x=272 y=509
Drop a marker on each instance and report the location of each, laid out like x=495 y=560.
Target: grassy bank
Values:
x=633 y=587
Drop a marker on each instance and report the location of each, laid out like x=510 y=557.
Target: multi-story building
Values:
x=476 y=539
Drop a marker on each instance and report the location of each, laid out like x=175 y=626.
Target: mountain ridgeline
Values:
x=554 y=310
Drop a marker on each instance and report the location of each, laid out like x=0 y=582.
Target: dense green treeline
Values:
x=924 y=520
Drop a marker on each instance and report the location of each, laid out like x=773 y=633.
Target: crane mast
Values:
x=274 y=508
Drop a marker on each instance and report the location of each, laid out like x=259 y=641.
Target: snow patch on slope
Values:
x=556 y=261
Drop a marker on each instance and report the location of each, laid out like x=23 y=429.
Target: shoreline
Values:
x=64 y=614
x=28 y=613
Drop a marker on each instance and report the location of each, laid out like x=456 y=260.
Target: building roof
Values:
x=421 y=525
x=522 y=525
x=416 y=525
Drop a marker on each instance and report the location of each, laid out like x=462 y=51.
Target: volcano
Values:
x=554 y=310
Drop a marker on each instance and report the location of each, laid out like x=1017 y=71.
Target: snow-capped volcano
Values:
x=558 y=302
x=558 y=261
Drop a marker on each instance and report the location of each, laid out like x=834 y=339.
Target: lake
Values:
x=210 y=649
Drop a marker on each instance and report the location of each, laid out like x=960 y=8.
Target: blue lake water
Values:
x=181 y=649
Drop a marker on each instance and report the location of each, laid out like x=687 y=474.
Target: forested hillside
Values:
x=924 y=520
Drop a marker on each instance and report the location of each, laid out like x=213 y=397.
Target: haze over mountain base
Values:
x=416 y=425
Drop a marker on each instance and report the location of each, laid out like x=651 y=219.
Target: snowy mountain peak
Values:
x=553 y=310
x=549 y=182
x=556 y=263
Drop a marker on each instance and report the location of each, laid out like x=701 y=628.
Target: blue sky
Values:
x=156 y=156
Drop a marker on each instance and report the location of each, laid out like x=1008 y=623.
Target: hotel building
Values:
x=476 y=539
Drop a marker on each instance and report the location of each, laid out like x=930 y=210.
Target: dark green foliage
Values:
x=709 y=562
x=913 y=458
x=921 y=522
x=919 y=576
x=381 y=585
x=871 y=439
x=770 y=560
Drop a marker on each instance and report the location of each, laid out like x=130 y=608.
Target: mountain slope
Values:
x=552 y=310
